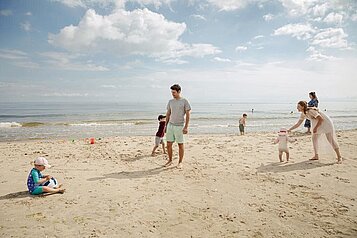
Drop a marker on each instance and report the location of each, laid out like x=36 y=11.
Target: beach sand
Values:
x=230 y=186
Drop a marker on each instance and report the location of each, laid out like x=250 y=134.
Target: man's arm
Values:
x=168 y=114
x=187 y=121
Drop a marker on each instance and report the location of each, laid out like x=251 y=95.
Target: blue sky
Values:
x=217 y=50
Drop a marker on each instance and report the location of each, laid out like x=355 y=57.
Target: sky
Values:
x=217 y=50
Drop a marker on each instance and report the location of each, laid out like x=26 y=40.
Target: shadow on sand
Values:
x=24 y=194
x=133 y=174
x=286 y=167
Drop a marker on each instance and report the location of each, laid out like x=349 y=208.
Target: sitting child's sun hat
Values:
x=42 y=161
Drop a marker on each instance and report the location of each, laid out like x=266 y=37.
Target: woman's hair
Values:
x=304 y=105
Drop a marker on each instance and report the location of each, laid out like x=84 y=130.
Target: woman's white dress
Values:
x=326 y=127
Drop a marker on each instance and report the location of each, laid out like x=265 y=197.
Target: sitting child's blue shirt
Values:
x=32 y=180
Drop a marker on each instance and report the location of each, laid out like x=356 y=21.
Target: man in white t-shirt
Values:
x=177 y=120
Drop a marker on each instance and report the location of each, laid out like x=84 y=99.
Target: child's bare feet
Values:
x=61 y=190
x=179 y=166
x=59 y=186
x=339 y=160
x=153 y=154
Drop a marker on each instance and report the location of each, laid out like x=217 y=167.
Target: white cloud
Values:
x=71 y=3
x=174 y=61
x=300 y=31
x=268 y=17
x=331 y=38
x=70 y=62
x=18 y=58
x=320 y=10
x=27 y=64
x=218 y=59
x=298 y=7
x=258 y=37
x=5 y=12
x=64 y=94
x=354 y=17
x=231 y=5
x=156 y=3
x=28 y=14
x=334 y=18
x=12 y=54
x=316 y=55
x=138 y=32
x=119 y=4
x=26 y=26
x=200 y=17
x=241 y=48
x=108 y=86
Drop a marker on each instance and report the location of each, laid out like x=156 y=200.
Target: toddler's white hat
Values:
x=283 y=131
x=42 y=161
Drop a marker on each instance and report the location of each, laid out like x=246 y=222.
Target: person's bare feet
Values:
x=168 y=163
x=339 y=160
x=153 y=154
x=61 y=190
x=314 y=158
x=179 y=166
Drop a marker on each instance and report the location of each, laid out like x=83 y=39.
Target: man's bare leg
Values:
x=169 y=153
x=181 y=154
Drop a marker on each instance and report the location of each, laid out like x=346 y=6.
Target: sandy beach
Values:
x=230 y=186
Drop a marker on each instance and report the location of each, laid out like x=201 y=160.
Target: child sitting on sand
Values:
x=159 y=138
x=283 y=140
x=35 y=180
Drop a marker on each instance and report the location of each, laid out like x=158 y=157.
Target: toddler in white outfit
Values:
x=283 y=140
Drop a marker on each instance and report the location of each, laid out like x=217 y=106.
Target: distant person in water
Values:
x=322 y=125
x=314 y=102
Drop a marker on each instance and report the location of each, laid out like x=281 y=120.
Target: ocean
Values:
x=67 y=120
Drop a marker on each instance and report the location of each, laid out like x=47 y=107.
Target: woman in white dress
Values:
x=321 y=125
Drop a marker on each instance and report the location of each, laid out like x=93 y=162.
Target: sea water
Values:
x=45 y=120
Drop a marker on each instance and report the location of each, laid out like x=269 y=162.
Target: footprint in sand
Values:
x=343 y=180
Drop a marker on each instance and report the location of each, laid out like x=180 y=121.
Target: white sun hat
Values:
x=42 y=161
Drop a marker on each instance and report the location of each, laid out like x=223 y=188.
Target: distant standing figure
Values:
x=283 y=140
x=242 y=122
x=159 y=137
x=177 y=120
x=314 y=102
x=321 y=124
x=252 y=110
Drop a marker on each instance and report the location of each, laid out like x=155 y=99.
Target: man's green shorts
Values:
x=174 y=133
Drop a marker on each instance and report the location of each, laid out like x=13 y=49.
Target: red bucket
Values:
x=92 y=140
